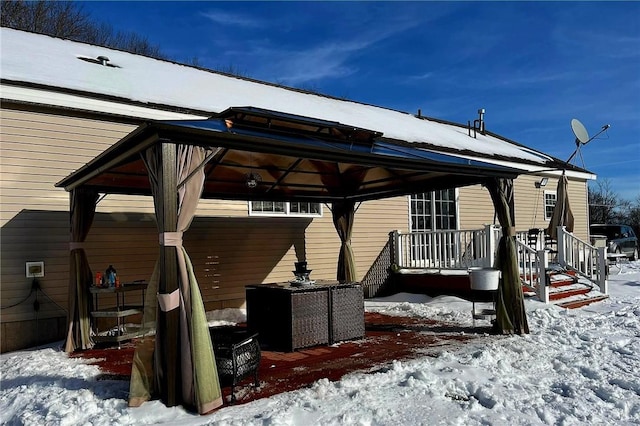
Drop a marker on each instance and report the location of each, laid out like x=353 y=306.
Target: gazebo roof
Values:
x=289 y=157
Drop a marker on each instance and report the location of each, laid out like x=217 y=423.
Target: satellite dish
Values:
x=582 y=137
x=579 y=130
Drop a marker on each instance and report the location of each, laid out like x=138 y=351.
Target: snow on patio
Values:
x=577 y=366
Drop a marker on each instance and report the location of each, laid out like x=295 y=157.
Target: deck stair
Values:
x=568 y=290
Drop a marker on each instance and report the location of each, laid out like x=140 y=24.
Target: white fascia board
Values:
x=558 y=172
x=82 y=103
x=534 y=168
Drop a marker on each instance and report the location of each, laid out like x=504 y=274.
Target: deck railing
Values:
x=533 y=265
x=587 y=260
x=446 y=249
x=460 y=250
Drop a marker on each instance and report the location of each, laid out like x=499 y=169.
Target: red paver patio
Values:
x=387 y=338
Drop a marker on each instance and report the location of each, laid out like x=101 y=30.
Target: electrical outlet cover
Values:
x=35 y=269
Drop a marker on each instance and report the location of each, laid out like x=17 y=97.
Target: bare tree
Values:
x=606 y=206
x=603 y=202
x=135 y=43
x=66 y=19
x=634 y=215
x=58 y=19
x=231 y=70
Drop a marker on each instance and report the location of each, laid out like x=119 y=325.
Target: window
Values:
x=305 y=208
x=549 y=204
x=434 y=210
x=267 y=207
x=282 y=208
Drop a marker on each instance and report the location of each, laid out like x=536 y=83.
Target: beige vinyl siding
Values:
x=476 y=208
x=35 y=235
x=373 y=222
x=529 y=201
x=579 y=201
x=230 y=253
x=229 y=250
x=38 y=150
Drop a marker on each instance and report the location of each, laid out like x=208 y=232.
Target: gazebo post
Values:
x=343 y=213
x=168 y=322
x=510 y=316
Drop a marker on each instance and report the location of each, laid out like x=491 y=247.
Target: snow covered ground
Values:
x=576 y=367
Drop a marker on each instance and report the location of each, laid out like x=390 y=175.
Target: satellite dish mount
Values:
x=582 y=137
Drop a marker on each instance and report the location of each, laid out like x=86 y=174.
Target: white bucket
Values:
x=484 y=278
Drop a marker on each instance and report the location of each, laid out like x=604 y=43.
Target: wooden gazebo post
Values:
x=168 y=322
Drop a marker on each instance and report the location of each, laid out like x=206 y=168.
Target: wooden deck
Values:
x=387 y=338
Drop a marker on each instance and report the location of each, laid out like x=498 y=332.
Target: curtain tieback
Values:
x=170 y=301
x=74 y=245
x=171 y=239
x=509 y=231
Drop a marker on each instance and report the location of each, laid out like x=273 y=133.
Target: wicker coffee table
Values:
x=289 y=318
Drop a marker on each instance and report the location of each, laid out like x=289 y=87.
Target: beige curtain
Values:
x=200 y=387
x=510 y=316
x=343 y=216
x=83 y=207
x=562 y=214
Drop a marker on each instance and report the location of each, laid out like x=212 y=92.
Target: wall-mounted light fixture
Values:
x=542 y=182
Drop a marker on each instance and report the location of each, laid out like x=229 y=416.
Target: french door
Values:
x=432 y=211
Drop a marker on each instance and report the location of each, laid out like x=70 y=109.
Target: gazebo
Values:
x=278 y=157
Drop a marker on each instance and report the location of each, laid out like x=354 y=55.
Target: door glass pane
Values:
x=431 y=211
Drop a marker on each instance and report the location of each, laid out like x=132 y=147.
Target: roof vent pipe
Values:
x=479 y=123
x=469 y=129
x=103 y=60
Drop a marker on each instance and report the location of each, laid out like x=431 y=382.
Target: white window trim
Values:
x=285 y=213
x=433 y=210
x=544 y=203
x=457 y=198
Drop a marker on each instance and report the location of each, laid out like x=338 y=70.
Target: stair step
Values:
x=561 y=279
x=566 y=288
x=564 y=293
x=562 y=283
x=578 y=303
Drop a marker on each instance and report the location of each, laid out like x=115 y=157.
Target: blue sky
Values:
x=533 y=66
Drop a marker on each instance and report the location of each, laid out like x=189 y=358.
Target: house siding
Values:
x=373 y=222
x=476 y=208
x=228 y=248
